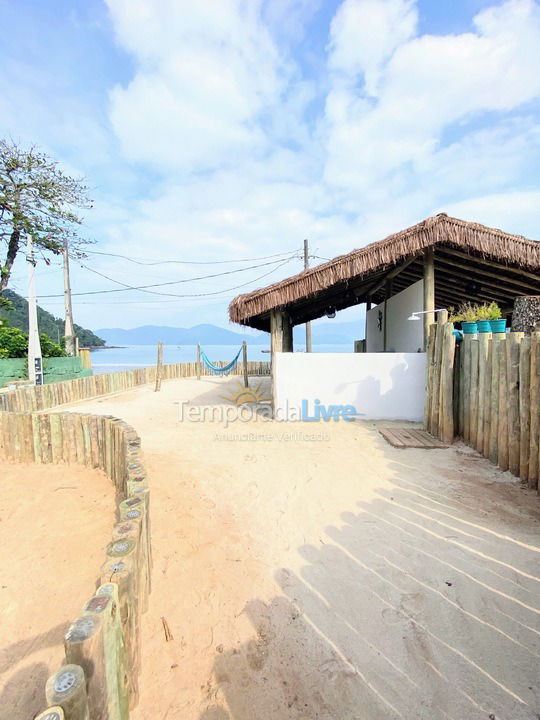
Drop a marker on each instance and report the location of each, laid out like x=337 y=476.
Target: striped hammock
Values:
x=214 y=369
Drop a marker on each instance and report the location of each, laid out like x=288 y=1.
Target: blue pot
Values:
x=498 y=326
x=469 y=328
x=484 y=326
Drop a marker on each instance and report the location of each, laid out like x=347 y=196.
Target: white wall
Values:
x=387 y=386
x=402 y=335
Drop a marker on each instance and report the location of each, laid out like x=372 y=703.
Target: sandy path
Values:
x=336 y=578
x=54 y=523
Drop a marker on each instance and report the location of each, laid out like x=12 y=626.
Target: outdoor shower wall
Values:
x=402 y=335
x=381 y=386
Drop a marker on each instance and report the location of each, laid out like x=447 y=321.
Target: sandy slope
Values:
x=330 y=578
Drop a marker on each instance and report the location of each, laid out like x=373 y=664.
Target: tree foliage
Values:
x=14 y=344
x=37 y=197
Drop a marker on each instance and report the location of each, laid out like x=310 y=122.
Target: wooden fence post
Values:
x=483 y=351
x=159 y=366
x=535 y=411
x=475 y=352
x=67 y=688
x=513 y=342
x=436 y=412
x=502 y=434
x=430 y=354
x=244 y=360
x=198 y=361
x=524 y=408
x=446 y=424
x=496 y=348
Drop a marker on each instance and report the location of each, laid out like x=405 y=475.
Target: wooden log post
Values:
x=111 y=590
x=122 y=573
x=487 y=399
x=198 y=361
x=429 y=293
x=159 y=366
x=474 y=393
x=534 y=443
x=436 y=380
x=524 y=408
x=502 y=435
x=466 y=349
x=430 y=364
x=513 y=342
x=83 y=645
x=496 y=349
x=446 y=402
x=51 y=713
x=116 y=680
x=67 y=689
x=245 y=364
x=483 y=352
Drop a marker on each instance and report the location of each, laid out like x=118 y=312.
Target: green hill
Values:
x=48 y=324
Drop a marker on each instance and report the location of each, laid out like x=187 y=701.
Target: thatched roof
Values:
x=375 y=259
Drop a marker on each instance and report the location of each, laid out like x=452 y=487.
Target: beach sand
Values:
x=55 y=522
x=313 y=571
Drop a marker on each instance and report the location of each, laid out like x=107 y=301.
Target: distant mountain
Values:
x=204 y=334
x=324 y=332
x=47 y=323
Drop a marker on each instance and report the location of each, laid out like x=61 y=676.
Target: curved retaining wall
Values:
x=99 y=680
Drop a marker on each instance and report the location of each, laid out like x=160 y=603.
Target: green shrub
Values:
x=13 y=343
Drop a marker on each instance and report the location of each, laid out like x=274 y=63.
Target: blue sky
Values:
x=223 y=131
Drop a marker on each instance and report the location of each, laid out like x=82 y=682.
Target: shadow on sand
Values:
x=416 y=606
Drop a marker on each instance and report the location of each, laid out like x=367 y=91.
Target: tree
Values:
x=36 y=197
x=14 y=344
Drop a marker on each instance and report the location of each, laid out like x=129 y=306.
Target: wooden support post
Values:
x=198 y=361
x=429 y=292
x=513 y=342
x=245 y=364
x=67 y=688
x=535 y=411
x=159 y=366
x=524 y=408
x=487 y=399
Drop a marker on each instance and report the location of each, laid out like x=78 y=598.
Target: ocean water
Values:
x=106 y=360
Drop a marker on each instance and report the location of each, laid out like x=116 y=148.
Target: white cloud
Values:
x=207 y=75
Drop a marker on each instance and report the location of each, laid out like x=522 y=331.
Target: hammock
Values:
x=214 y=369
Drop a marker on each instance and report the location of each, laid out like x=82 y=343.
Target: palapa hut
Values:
x=438 y=263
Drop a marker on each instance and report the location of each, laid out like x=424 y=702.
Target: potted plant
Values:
x=496 y=321
x=469 y=316
x=483 y=318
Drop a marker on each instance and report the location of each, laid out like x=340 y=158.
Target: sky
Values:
x=220 y=134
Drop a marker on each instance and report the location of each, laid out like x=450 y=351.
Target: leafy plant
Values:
x=454 y=315
x=13 y=343
x=494 y=311
x=483 y=312
x=468 y=312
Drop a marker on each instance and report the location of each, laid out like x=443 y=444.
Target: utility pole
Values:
x=308 y=324
x=35 y=362
x=69 y=331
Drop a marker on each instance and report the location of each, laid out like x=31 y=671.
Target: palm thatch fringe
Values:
x=472 y=237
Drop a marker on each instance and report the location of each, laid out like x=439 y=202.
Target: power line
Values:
x=193 y=295
x=144 y=288
x=140 y=261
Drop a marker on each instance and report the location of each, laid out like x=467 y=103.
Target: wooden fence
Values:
x=49 y=396
x=486 y=390
x=102 y=646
